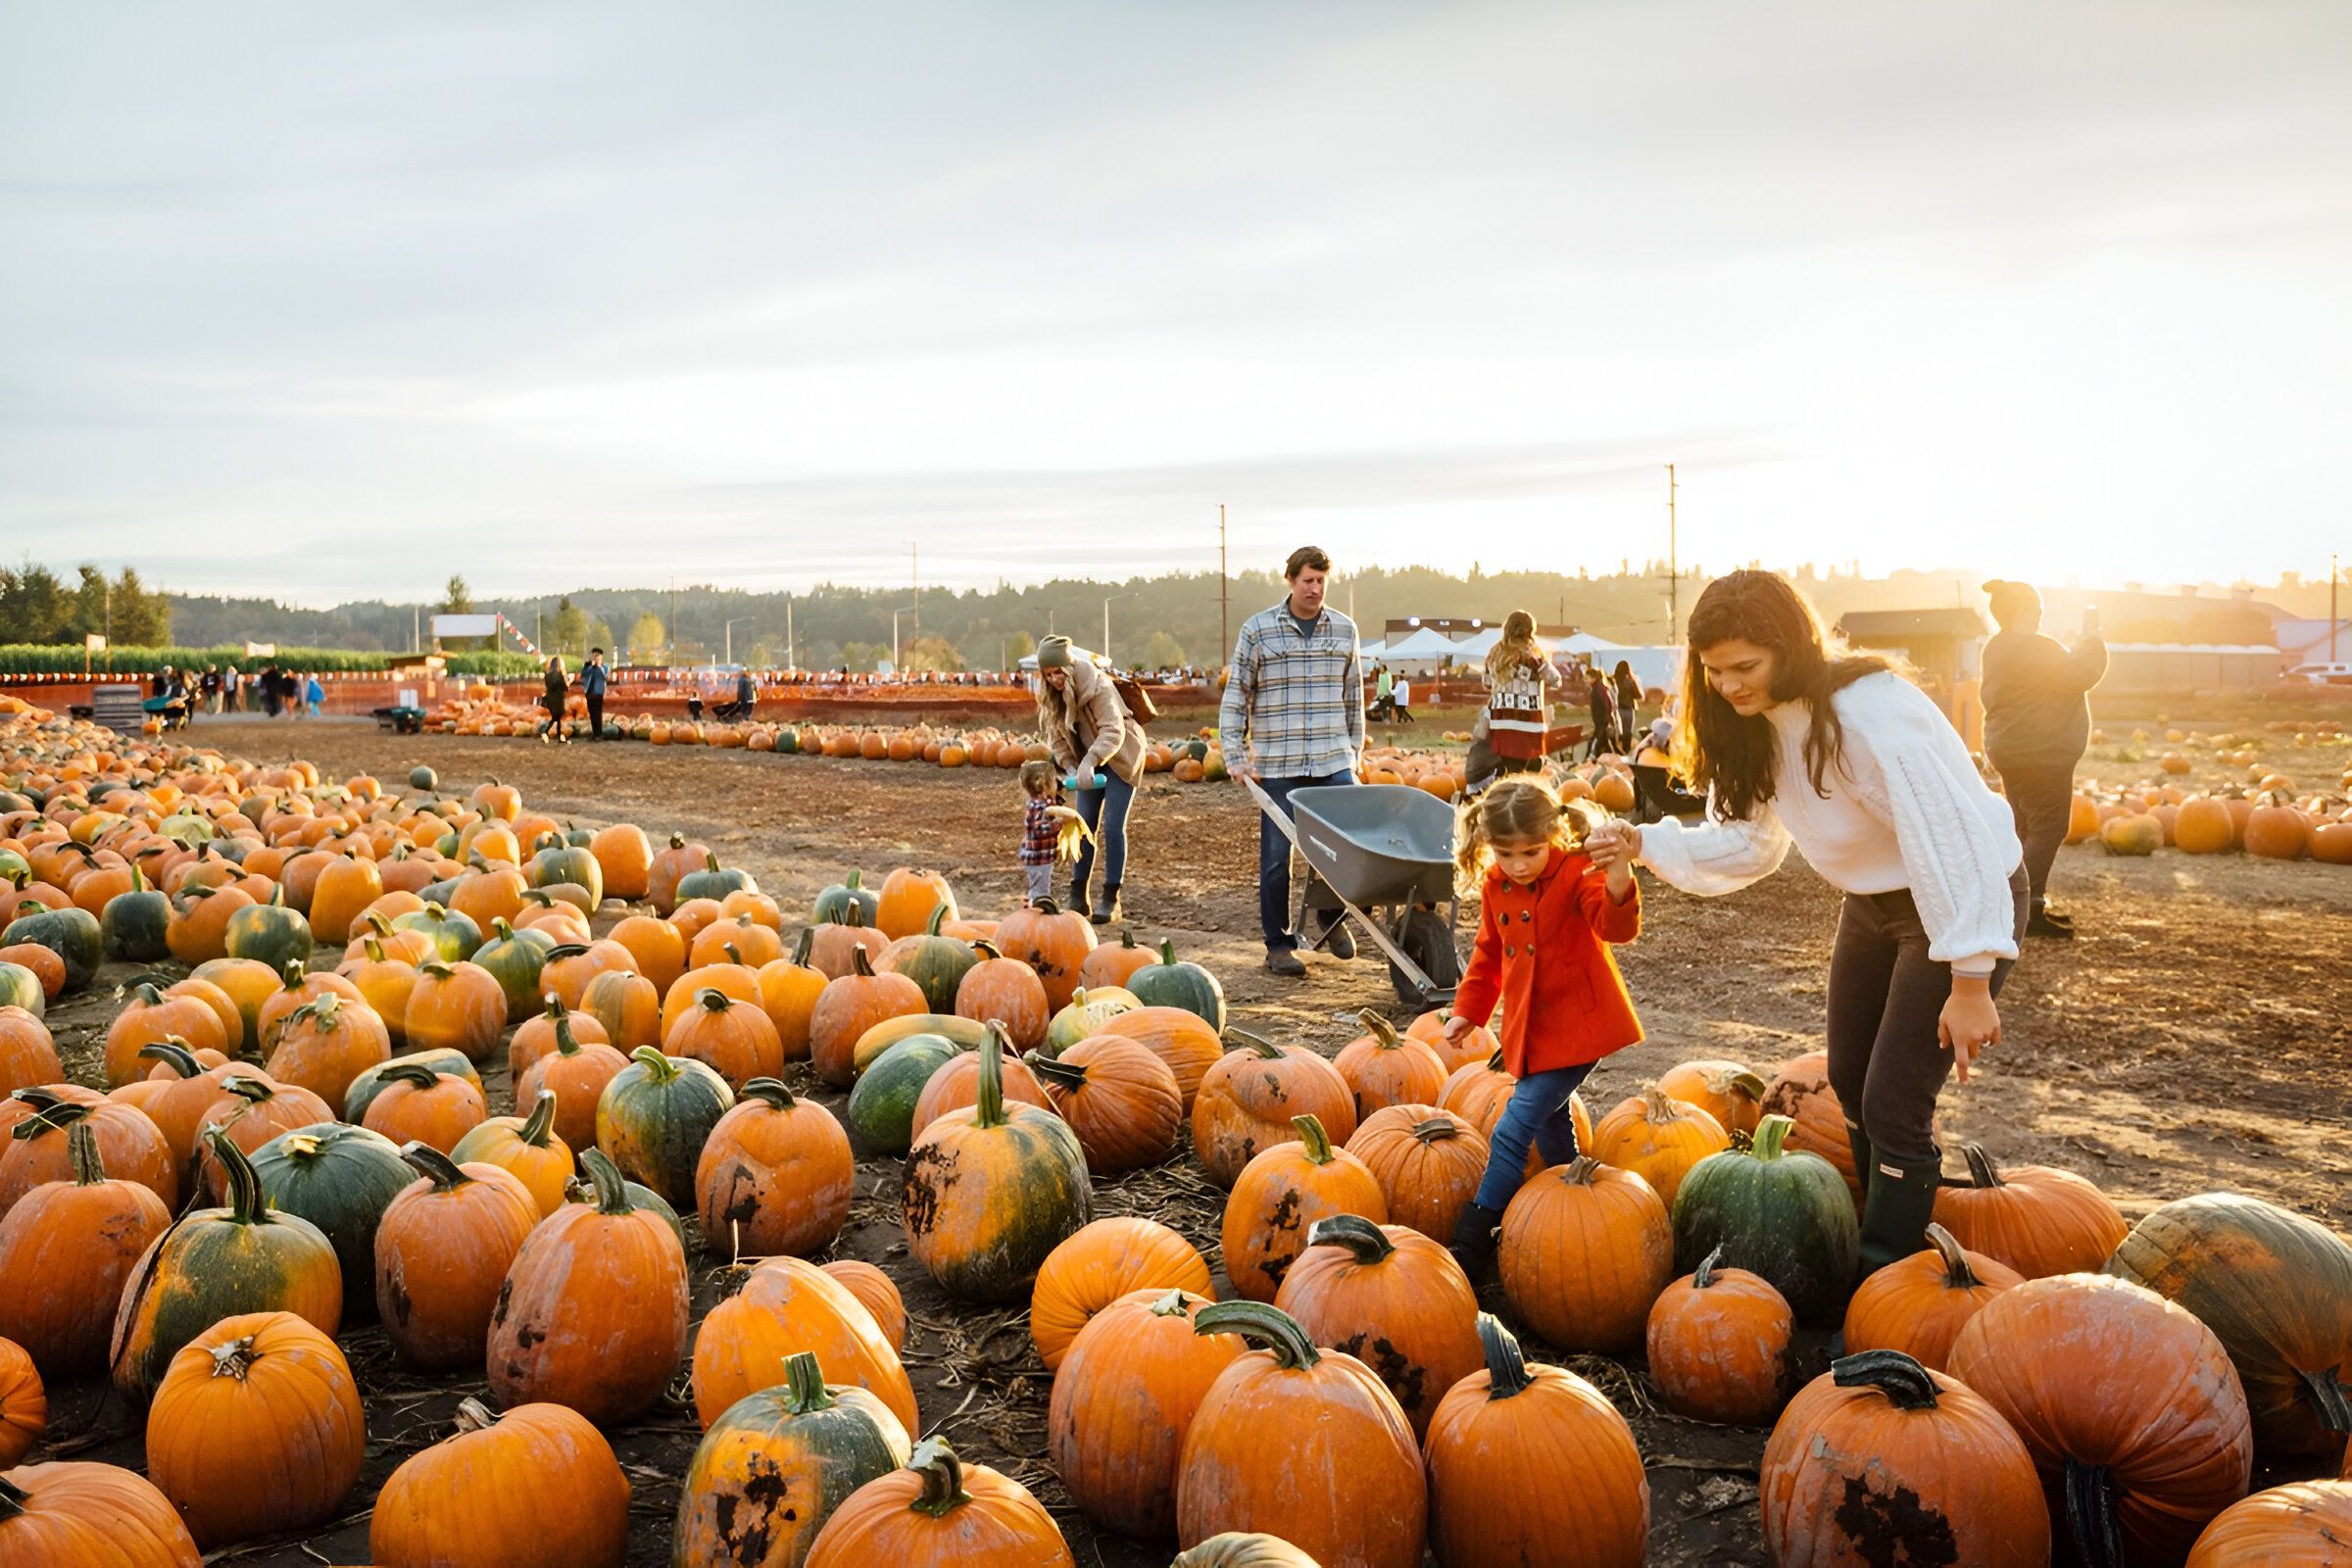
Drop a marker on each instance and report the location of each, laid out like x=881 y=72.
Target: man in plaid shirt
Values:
x=1293 y=716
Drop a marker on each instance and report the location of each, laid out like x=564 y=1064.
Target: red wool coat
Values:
x=1542 y=952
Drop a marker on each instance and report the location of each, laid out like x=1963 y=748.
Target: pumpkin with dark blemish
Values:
x=776 y=1175
x=1882 y=1460
x=442 y=1252
x=1124 y=1395
x=776 y=1463
x=1393 y=1299
x=1050 y=941
x=536 y=1483
x=1248 y=1096
x=787 y=1305
x=1283 y=1191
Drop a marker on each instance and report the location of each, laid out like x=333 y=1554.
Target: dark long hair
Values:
x=1739 y=757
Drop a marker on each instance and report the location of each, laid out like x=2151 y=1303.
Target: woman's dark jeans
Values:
x=1105 y=813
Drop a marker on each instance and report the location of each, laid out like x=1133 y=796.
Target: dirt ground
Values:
x=2194 y=1037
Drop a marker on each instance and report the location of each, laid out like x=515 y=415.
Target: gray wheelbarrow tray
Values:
x=1387 y=851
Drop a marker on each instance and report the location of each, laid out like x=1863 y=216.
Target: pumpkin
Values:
x=658 y=946
x=776 y=1175
x=1282 y=1191
x=627 y=1007
x=135 y=926
x=962 y=1032
x=1428 y=1162
x=1393 y=1299
x=735 y=939
x=2277 y=1289
x=542 y=1032
x=788 y=1304
x=1384 y=1069
x=369 y=1086
x=1180 y=1039
x=912 y=900
x=1919 y=1304
x=1053 y=943
x=1779 y=1213
x=75 y=937
x=269 y=933
x=516 y=960
x=2036 y=1219
x=997 y=988
x=199 y=930
x=1099 y=1263
x=560 y=865
x=1585 y=1249
x=442 y=1252
x=1123 y=1399
x=253 y=1108
x=1479 y=1092
x=1725 y=1090
x=247 y=985
x=734 y=1039
x=593 y=1314
x=1304 y=1441
x=2303 y=1522
x=1800 y=1091
x=325 y=1044
x=256 y=1427
x=1246 y=1098
x=526 y=1148
x=889 y=1096
x=385 y=984
x=990 y=1191
x=66 y=1249
x=939 y=1512
x=2272 y=832
x=149 y=1019
x=788 y=990
x=1108 y=965
x=91 y=1516
x=28 y=1052
x=1170 y=983
x=533 y=1485
x=457 y=1007
x=38 y=1149
x=654 y=1117
x=419 y=1101
x=1120 y=1099
x=935 y=962
x=1657 y=1138
x=848 y=1007
x=575 y=1073
x=2125 y=1476
x=1089 y=1010
x=1718 y=1345
x=776 y=1464
x=877 y=1292
x=21 y=988
x=347 y=884
x=23 y=1405
x=340 y=1179
x=1481 y=1513
x=2204 y=826
x=624 y=859
x=212 y=1263
x=1881 y=1460
x=451 y=933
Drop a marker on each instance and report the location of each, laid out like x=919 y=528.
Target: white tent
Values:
x=1420 y=651
x=1584 y=642
x=1373 y=650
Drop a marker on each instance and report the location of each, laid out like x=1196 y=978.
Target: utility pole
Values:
x=914 y=571
x=1674 y=569
x=416 y=629
x=2332 y=574
x=791 y=654
x=1224 y=615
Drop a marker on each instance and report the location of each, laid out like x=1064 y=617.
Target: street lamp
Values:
x=728 y=631
x=895 y=667
x=1107 y=604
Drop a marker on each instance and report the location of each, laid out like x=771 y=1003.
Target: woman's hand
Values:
x=1614 y=843
x=1970 y=1023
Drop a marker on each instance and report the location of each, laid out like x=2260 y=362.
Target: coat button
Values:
x=1509 y=950
x=1526 y=915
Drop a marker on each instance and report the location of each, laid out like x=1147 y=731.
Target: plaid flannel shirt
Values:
x=1038 y=833
x=1296 y=702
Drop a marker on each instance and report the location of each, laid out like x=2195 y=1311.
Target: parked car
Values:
x=2339 y=674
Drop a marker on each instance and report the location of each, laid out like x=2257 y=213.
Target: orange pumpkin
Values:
x=1118 y=1098
x=1052 y=942
x=734 y=1039
x=659 y=948
x=1385 y=1068
x=1008 y=992
x=1657 y=1139
x=1124 y=1395
x=66 y=1250
x=1394 y=1292
x=560 y=1495
x=39 y=1148
x=876 y=1292
x=1180 y=1038
x=98 y=1515
x=941 y=1513
x=23 y=1407
x=788 y=1304
x=575 y=1073
x=848 y=1007
x=954 y=1084
x=1283 y=1191
x=418 y=1102
x=776 y=1175
x=909 y=899
x=1919 y=1304
x=2036 y=1219
x=1099 y=1263
x=1427 y=1161
x=325 y=1044
x=1585 y=1249
x=1725 y=1090
x=526 y=1147
x=627 y=1007
x=1718 y=1345
x=1246 y=1098
x=442 y=1251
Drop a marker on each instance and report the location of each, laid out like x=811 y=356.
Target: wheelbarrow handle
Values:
x=1266 y=803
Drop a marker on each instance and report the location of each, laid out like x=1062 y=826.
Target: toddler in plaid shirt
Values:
x=1043 y=822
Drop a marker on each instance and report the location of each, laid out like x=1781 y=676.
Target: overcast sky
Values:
x=332 y=301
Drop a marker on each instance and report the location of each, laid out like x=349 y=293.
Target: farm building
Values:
x=1946 y=646
x=2190 y=666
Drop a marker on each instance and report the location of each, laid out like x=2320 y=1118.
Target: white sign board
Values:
x=260 y=650
x=120 y=707
x=93 y=643
x=465 y=625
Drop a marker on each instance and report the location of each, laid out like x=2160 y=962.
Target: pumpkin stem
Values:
x=234 y=1360
x=374 y=948
x=52 y=1117
x=1383 y=1031
x=2325 y=1394
x=800 y=948
x=862 y=962
x=1580 y=1171
x=1704 y=1274
x=173 y=1050
x=713 y=1000
x=1957 y=1275
x=989 y=1109
x=2090 y=1520
x=1173 y=1304
x=554 y=1012
x=1264 y=1325
x=1167 y=947
x=1771 y=1132
x=772 y=1090
x=1495 y=1061
x=246 y=1205
x=1748 y=1085
x=420 y=1074
x=658 y=1066
x=433 y=1165
x=1506 y=1367
x=735 y=953
x=1981 y=1171
x=804 y=1384
x=147 y=994
x=612 y=1188
x=13 y=1498
x=1316 y=1140
x=568 y=1044
x=542 y=1119
x=81 y=1148
x=474 y=1416
x=943 y=1479
x=1066 y=1076
x=1247 y=1041
x=1903 y=1380
x=1436 y=1129
x=986 y=948
x=1359 y=1236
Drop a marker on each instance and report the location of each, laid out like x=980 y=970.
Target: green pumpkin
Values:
x=270 y=933
x=19 y=986
x=1777 y=1212
x=14 y=867
x=788 y=741
x=423 y=778
x=1170 y=984
x=339 y=1178
x=715 y=881
x=881 y=1108
x=70 y=933
x=213 y=1263
x=834 y=904
x=514 y=959
x=655 y=1116
x=444 y=1060
x=133 y=923
x=454 y=936
x=1090 y=1009
x=839 y=1439
x=937 y=963
x=582 y=1190
x=988 y=1195
x=570 y=863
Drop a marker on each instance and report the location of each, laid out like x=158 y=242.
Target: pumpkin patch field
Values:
x=468 y=1153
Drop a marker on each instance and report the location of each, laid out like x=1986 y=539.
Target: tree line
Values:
x=37 y=606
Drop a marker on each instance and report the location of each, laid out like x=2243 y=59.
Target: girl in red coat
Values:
x=1549 y=914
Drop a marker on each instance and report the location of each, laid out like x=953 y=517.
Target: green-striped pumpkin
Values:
x=339 y=1178
x=654 y=1117
x=1170 y=983
x=1775 y=1212
x=881 y=1108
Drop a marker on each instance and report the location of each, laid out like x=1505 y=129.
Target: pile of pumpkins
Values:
x=330 y=1109
x=2270 y=822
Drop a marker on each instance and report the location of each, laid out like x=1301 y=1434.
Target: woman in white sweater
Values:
x=1857 y=767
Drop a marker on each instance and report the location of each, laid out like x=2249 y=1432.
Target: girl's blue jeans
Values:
x=1537 y=1114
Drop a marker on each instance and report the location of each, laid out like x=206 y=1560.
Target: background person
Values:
x=1519 y=678
x=592 y=678
x=1091 y=735
x=552 y=693
x=1627 y=691
x=1294 y=717
x=2036 y=695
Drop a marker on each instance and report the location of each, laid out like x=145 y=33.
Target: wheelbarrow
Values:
x=1386 y=850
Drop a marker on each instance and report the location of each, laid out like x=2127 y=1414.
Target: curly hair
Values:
x=1520 y=810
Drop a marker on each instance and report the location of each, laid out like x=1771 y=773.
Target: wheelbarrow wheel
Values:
x=1428 y=941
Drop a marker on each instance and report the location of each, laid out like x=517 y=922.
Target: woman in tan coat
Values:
x=1099 y=751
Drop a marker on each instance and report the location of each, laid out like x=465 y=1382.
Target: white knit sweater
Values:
x=1907 y=808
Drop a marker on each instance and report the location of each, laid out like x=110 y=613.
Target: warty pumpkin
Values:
x=256 y=1427
x=1882 y=1460
x=1393 y=1299
x=1718 y=1342
x=1123 y=1399
x=1309 y=1442
x=66 y=1249
x=593 y=1312
x=526 y=1148
x=1246 y=1097
x=654 y=1117
x=1098 y=1263
x=1585 y=1249
x=1120 y=1099
x=1384 y=1069
x=1428 y=1162
x=776 y=1175
x=941 y=1513
x=92 y=1516
x=787 y=1305
x=2036 y=1219
x=1919 y=1304
x=536 y=1483
x=1283 y=1191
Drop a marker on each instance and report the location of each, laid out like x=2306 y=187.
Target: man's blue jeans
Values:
x=1537 y=1113
x=1274 y=865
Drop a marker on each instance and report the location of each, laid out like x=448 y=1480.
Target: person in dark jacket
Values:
x=1629 y=699
x=2037 y=724
x=552 y=700
x=593 y=677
